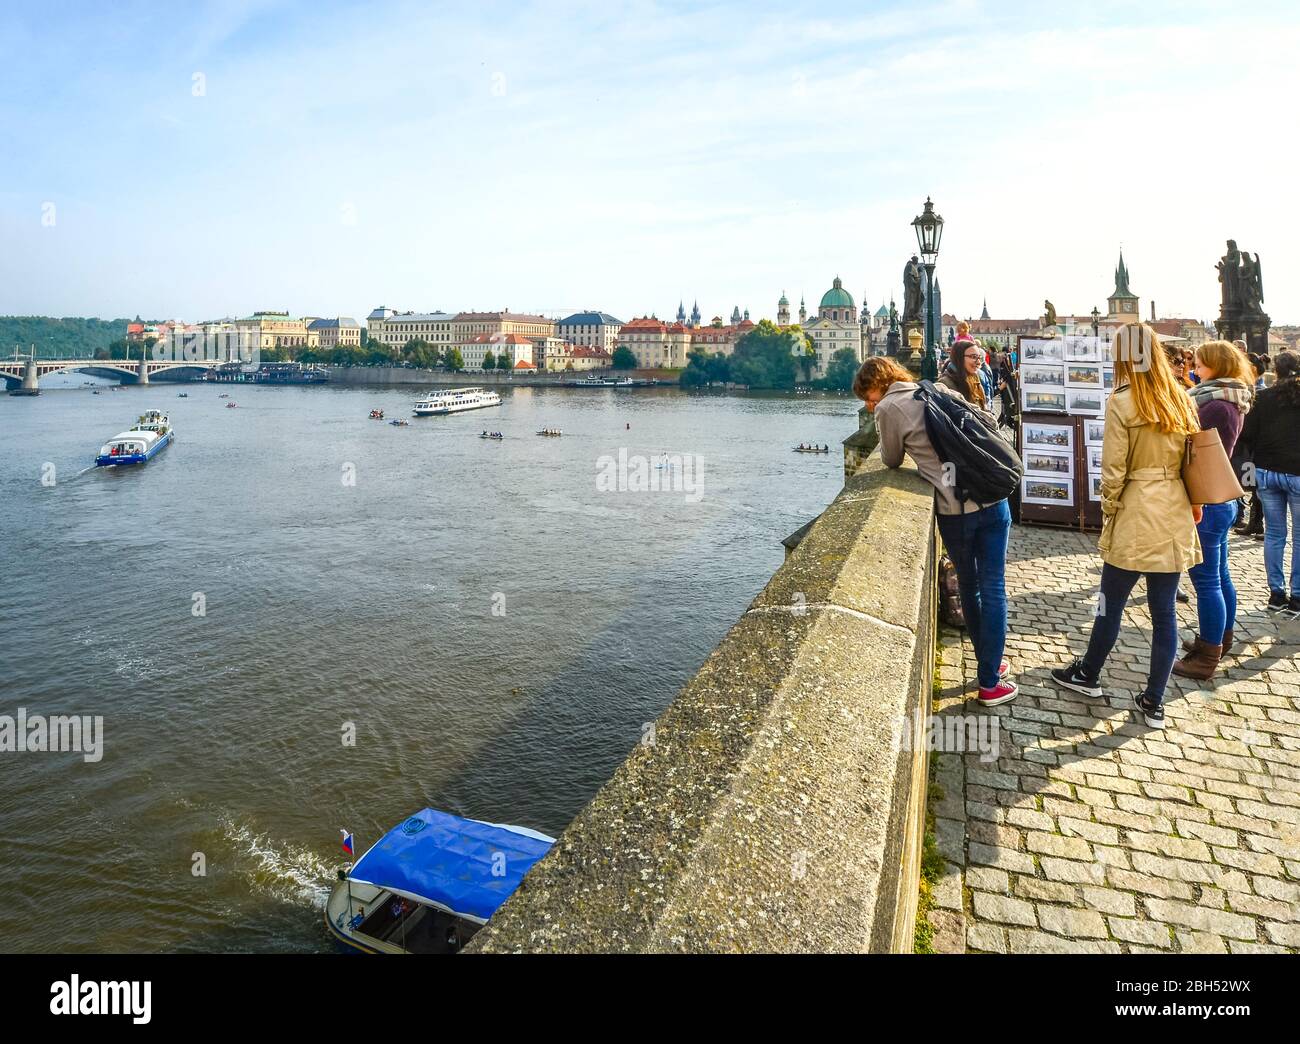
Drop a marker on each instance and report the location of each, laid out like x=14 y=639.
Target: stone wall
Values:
x=770 y=809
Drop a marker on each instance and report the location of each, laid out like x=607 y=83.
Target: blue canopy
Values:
x=462 y=865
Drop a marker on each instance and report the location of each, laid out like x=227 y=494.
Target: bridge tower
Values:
x=30 y=387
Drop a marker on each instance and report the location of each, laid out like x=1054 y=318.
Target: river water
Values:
x=491 y=621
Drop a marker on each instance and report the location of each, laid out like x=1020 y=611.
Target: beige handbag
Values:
x=1207 y=472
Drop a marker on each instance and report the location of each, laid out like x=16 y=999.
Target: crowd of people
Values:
x=1151 y=530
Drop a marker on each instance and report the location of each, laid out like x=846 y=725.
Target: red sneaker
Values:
x=1004 y=670
x=1003 y=692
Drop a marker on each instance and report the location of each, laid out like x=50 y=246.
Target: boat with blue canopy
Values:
x=430 y=883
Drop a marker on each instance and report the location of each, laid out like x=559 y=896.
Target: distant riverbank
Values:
x=385 y=375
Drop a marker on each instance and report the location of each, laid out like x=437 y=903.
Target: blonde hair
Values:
x=1158 y=398
x=877 y=374
x=1226 y=360
x=963 y=327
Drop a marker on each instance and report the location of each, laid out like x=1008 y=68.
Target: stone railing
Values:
x=772 y=806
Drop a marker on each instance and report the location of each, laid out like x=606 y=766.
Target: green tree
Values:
x=624 y=359
x=765 y=356
x=490 y=361
x=841 y=371
x=455 y=361
x=808 y=357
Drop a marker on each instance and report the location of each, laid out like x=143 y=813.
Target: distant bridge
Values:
x=25 y=374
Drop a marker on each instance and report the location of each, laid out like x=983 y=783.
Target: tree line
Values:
x=769 y=357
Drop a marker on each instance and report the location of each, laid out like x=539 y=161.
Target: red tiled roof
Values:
x=646 y=324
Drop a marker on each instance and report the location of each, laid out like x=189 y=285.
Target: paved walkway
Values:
x=1090 y=832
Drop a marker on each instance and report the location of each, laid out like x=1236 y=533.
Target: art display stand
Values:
x=1064 y=383
x=1079 y=511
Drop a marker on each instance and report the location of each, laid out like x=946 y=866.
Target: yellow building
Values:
x=394 y=329
x=335 y=333
x=467 y=325
x=269 y=330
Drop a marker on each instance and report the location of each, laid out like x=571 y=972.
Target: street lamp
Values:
x=1096 y=315
x=929 y=230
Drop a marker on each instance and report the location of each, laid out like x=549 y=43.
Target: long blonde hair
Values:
x=1158 y=398
x=1227 y=361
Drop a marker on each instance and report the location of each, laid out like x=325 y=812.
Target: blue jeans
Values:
x=1278 y=491
x=1216 y=598
x=977 y=544
x=1116 y=585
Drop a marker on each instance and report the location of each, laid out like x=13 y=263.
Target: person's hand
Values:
x=1197 y=512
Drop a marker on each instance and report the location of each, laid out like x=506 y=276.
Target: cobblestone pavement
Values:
x=1089 y=832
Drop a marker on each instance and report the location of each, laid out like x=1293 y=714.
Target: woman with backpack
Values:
x=1268 y=439
x=975 y=534
x=1222 y=397
x=1148 y=524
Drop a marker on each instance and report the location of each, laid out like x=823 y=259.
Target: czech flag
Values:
x=347 y=842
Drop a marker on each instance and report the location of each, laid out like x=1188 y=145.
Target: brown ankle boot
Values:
x=1190 y=643
x=1201 y=662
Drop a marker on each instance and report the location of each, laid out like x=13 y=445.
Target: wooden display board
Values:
x=1064 y=383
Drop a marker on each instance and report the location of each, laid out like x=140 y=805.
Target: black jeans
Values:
x=1116 y=585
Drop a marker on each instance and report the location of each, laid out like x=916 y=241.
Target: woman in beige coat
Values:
x=1148 y=524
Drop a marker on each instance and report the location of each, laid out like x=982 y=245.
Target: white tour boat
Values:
x=455 y=400
x=149 y=436
x=430 y=883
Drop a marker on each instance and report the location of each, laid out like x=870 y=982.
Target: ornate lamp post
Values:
x=929 y=230
x=1096 y=315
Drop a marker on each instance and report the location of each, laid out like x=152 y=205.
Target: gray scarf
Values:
x=1228 y=388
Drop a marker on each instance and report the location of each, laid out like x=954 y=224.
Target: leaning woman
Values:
x=1222 y=396
x=1148 y=524
x=974 y=534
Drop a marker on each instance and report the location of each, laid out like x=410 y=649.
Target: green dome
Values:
x=837 y=296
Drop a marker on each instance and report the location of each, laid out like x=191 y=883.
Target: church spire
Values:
x=985 y=314
x=1121 y=278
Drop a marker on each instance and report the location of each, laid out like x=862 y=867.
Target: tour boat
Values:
x=430 y=883
x=147 y=438
x=455 y=400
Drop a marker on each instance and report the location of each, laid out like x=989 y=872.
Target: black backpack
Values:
x=984 y=466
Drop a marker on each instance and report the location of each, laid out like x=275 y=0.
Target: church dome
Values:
x=837 y=296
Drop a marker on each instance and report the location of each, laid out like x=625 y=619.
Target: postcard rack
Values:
x=1064 y=384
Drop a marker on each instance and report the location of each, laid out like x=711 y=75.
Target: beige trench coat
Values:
x=1147 y=519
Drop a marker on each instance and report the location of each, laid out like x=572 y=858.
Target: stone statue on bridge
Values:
x=912 y=292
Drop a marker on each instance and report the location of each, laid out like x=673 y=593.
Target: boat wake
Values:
x=297 y=875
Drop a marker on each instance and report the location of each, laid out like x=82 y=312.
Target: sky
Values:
x=206 y=159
